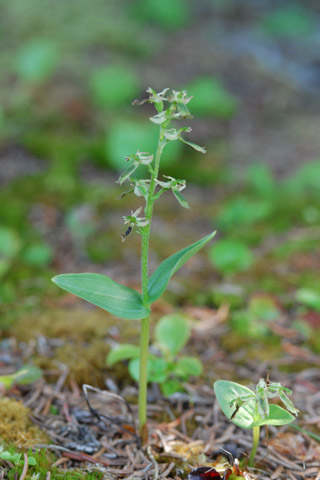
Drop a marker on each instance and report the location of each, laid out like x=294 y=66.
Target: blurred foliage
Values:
x=308 y=297
x=114 y=86
x=36 y=61
x=254 y=321
x=211 y=98
x=68 y=74
x=291 y=20
x=230 y=256
x=126 y=137
x=170 y=14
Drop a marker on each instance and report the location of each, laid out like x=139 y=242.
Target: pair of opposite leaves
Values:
x=123 y=301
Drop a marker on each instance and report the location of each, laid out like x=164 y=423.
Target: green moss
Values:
x=84 y=348
x=16 y=427
x=76 y=325
x=86 y=363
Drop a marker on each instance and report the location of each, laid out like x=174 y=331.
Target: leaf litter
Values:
x=94 y=428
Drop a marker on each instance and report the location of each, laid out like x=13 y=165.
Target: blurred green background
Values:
x=68 y=73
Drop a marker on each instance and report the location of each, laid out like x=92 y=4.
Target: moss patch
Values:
x=85 y=336
x=16 y=427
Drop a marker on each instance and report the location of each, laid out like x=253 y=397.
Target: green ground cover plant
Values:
x=230 y=256
x=35 y=464
x=168 y=14
x=289 y=21
x=165 y=365
x=36 y=61
x=113 y=86
x=212 y=98
x=250 y=408
x=17 y=254
x=119 y=299
x=15 y=457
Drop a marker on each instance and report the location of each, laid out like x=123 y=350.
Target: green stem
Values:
x=255 y=443
x=145 y=322
x=144 y=344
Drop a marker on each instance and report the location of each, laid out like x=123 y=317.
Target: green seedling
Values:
x=212 y=99
x=256 y=319
x=103 y=291
x=10 y=246
x=289 y=21
x=36 y=61
x=167 y=368
x=230 y=256
x=250 y=408
x=113 y=86
x=308 y=297
x=13 y=249
x=15 y=457
x=27 y=374
x=168 y=14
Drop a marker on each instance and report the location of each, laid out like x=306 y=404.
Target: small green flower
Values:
x=176 y=185
x=139 y=158
x=133 y=221
x=179 y=100
x=141 y=188
x=156 y=98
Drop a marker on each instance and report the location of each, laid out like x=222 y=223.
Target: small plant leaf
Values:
x=37 y=60
x=277 y=416
x=247 y=415
x=27 y=374
x=226 y=392
x=170 y=386
x=105 y=293
x=37 y=255
x=186 y=367
x=10 y=243
x=230 y=256
x=160 y=278
x=172 y=332
x=193 y=145
x=157 y=369
x=125 y=351
x=24 y=376
x=181 y=199
x=308 y=297
x=210 y=97
x=113 y=86
x=12 y=457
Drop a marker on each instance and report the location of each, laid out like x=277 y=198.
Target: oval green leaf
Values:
x=24 y=376
x=245 y=418
x=186 y=367
x=156 y=369
x=277 y=416
x=161 y=276
x=172 y=332
x=105 y=293
x=126 y=351
x=226 y=392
